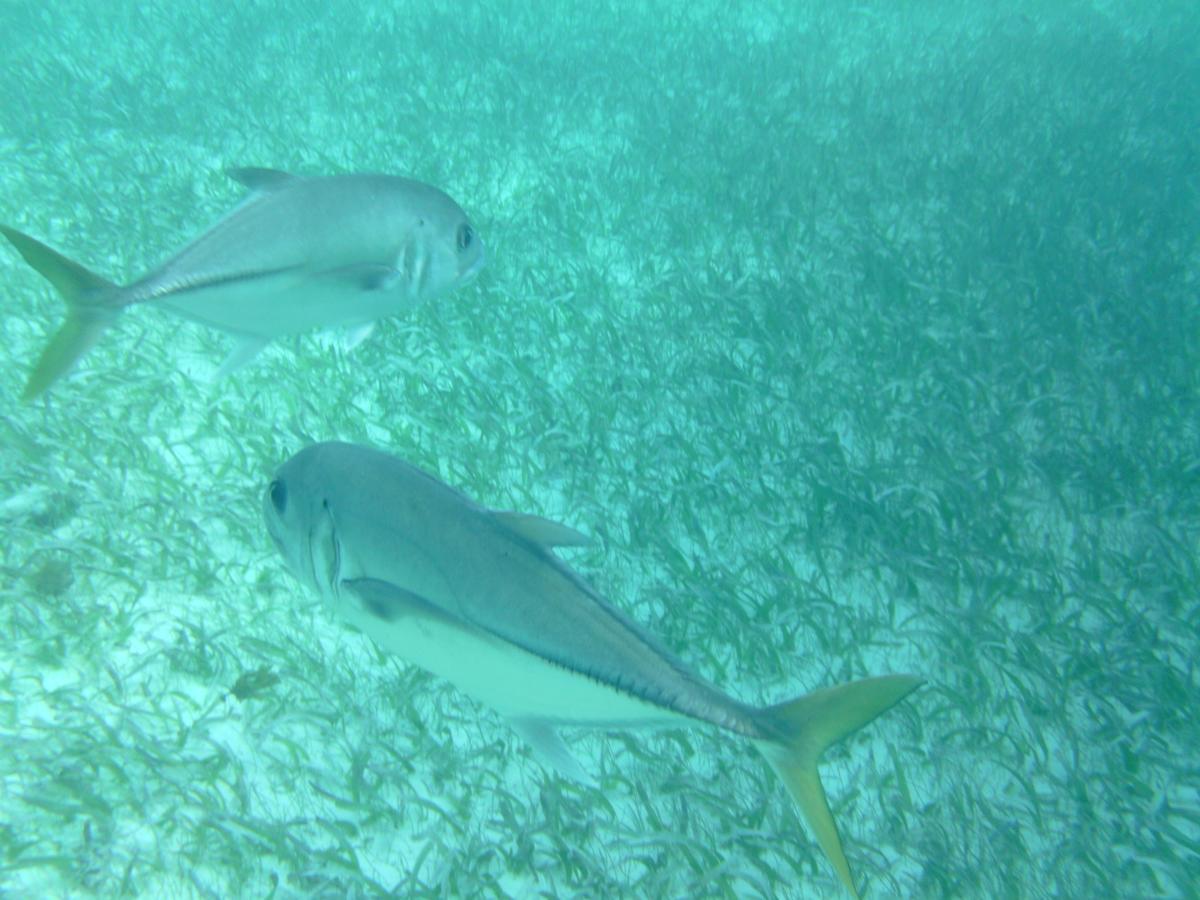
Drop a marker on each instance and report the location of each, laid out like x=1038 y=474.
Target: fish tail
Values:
x=801 y=730
x=91 y=308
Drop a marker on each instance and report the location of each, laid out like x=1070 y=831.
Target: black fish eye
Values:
x=278 y=492
x=465 y=236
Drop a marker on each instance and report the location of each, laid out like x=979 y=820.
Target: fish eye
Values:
x=279 y=498
x=465 y=236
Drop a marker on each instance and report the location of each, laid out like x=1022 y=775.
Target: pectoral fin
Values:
x=363 y=277
x=390 y=603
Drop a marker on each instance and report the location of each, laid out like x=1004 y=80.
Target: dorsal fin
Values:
x=260 y=179
x=543 y=532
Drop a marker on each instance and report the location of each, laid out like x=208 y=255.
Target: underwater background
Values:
x=860 y=338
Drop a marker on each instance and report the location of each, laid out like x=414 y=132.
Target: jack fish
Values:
x=298 y=253
x=478 y=597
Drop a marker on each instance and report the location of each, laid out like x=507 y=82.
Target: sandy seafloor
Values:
x=861 y=340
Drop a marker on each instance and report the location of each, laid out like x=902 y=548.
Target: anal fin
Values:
x=239 y=356
x=550 y=750
x=352 y=337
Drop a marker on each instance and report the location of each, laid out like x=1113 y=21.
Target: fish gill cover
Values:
x=862 y=340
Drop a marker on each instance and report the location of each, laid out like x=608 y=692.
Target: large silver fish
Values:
x=478 y=597
x=296 y=254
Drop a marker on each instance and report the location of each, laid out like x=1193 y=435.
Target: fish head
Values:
x=301 y=521
x=439 y=248
x=341 y=515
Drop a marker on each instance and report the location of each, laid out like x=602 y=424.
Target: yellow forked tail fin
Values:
x=804 y=728
x=90 y=309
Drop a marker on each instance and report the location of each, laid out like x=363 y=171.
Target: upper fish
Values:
x=479 y=597
x=298 y=253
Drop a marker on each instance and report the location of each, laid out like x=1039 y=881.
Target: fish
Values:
x=480 y=597
x=298 y=253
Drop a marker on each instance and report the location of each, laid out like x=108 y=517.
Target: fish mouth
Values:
x=270 y=517
x=275 y=529
x=469 y=274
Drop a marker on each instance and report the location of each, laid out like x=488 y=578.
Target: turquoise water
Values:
x=861 y=340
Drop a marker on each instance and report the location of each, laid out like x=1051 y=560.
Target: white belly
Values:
x=514 y=682
x=286 y=304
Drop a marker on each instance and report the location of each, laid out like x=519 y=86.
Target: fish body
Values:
x=296 y=254
x=479 y=597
